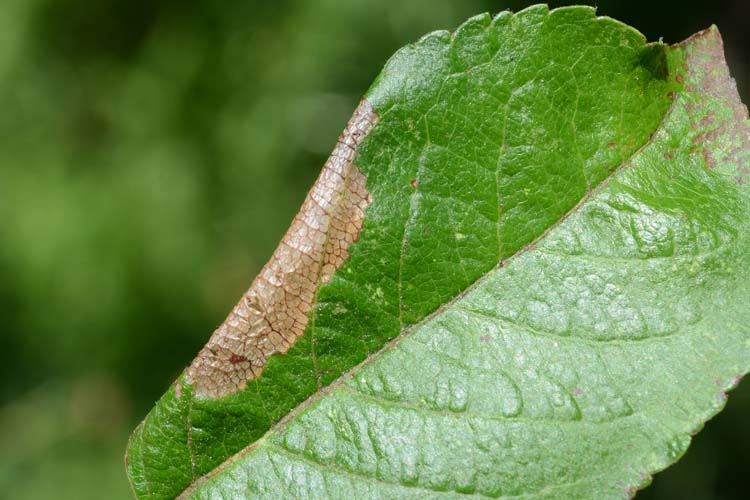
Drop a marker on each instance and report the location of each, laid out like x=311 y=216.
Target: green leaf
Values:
x=545 y=297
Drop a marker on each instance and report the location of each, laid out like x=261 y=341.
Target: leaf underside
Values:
x=547 y=298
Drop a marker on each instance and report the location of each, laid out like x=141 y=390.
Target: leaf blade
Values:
x=423 y=306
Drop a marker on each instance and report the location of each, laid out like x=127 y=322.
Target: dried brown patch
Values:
x=274 y=311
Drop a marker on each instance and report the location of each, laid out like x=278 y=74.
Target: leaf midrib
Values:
x=336 y=384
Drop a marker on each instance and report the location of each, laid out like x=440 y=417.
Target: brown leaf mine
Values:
x=274 y=311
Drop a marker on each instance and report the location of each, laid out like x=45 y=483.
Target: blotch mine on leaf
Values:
x=274 y=311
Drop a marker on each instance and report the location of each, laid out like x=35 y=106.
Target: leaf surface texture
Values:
x=547 y=298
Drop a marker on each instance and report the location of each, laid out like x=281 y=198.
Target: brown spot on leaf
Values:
x=414 y=183
x=274 y=311
x=236 y=358
x=705 y=57
x=707 y=120
x=710 y=162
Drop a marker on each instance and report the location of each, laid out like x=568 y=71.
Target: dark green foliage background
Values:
x=151 y=155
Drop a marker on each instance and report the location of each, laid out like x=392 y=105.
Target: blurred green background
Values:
x=152 y=153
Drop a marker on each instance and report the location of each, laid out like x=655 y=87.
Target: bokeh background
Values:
x=152 y=153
